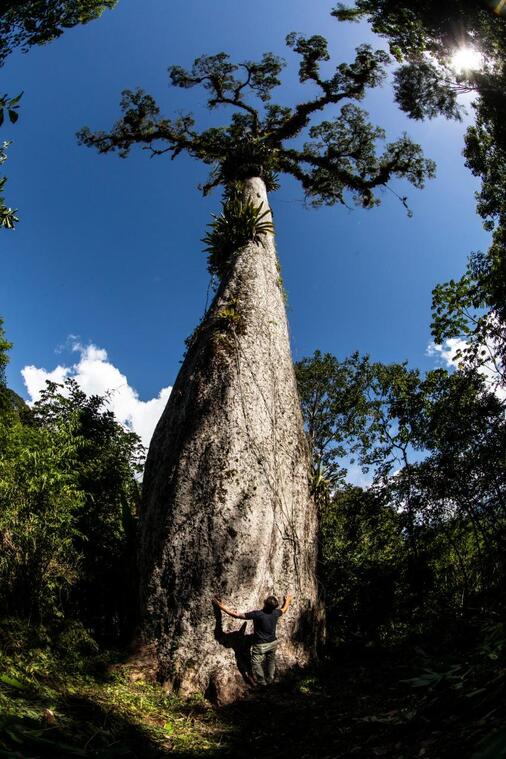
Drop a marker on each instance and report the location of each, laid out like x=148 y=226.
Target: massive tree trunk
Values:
x=226 y=505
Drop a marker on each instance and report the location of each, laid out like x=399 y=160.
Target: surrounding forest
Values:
x=107 y=566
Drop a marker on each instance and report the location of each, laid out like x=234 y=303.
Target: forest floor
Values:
x=361 y=707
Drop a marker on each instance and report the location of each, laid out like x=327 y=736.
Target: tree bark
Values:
x=227 y=510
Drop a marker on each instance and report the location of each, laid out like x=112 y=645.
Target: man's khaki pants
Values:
x=263 y=662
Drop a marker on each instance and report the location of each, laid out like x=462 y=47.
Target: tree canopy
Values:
x=423 y=38
x=68 y=501
x=35 y=22
x=22 y=25
x=340 y=156
x=427 y=536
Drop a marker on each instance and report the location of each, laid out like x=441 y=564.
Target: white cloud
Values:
x=95 y=375
x=449 y=353
x=35 y=379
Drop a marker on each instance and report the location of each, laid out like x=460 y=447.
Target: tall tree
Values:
x=334 y=408
x=109 y=459
x=226 y=507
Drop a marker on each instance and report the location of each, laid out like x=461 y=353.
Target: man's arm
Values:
x=286 y=603
x=228 y=611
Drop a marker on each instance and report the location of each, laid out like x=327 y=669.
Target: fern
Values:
x=239 y=223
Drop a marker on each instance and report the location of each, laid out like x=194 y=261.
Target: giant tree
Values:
x=227 y=509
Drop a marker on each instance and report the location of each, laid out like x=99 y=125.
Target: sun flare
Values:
x=466 y=59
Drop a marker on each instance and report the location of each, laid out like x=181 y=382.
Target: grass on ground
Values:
x=373 y=705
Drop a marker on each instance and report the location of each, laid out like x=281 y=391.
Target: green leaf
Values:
x=13 y=116
x=12 y=681
x=16 y=100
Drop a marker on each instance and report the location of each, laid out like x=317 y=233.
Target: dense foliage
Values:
x=414 y=561
x=35 y=22
x=424 y=543
x=68 y=497
x=423 y=37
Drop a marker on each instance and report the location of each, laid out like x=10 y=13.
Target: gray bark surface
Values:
x=226 y=505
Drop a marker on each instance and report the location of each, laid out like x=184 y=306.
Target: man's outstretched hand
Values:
x=286 y=603
x=230 y=612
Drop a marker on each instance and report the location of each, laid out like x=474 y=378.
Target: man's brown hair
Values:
x=271 y=603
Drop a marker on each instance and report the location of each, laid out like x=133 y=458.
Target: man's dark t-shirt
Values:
x=264 y=625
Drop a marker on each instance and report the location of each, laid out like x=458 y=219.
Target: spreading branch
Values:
x=340 y=156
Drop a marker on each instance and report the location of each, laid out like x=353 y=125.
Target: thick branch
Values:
x=141 y=123
x=327 y=181
x=106 y=143
x=349 y=81
x=222 y=99
x=302 y=113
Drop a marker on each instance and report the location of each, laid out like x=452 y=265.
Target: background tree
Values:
x=363 y=567
x=10 y=402
x=22 y=25
x=333 y=400
x=39 y=502
x=427 y=536
x=36 y=22
x=424 y=37
x=109 y=460
x=68 y=507
x=226 y=506
x=5 y=346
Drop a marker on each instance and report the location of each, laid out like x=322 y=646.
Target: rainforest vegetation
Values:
x=410 y=567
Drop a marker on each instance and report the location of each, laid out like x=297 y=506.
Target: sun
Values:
x=466 y=59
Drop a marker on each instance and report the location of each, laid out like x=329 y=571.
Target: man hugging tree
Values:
x=265 y=643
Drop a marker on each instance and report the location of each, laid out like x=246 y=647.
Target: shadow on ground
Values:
x=348 y=709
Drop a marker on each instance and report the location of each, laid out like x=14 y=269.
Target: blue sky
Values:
x=109 y=250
